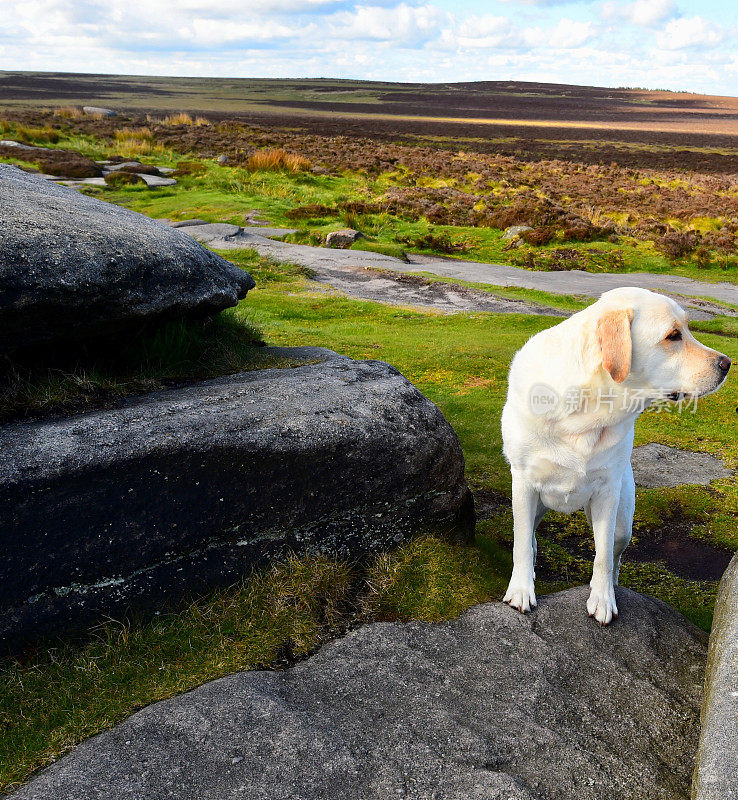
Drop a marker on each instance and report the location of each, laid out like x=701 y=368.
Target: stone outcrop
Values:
x=514 y=231
x=492 y=706
x=185 y=489
x=716 y=775
x=72 y=267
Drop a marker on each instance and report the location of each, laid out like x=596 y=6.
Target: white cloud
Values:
x=486 y=32
x=567 y=34
x=643 y=13
x=414 y=40
x=546 y=2
x=403 y=24
x=684 y=32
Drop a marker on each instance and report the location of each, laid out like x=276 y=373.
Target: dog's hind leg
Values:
x=526 y=515
x=624 y=521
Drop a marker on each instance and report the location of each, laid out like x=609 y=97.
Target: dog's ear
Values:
x=613 y=336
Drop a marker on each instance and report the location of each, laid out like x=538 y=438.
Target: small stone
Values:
x=222 y=159
x=514 y=231
x=656 y=465
x=154 y=181
x=343 y=238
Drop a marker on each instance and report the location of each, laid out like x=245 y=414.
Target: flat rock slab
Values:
x=82 y=182
x=386 y=286
x=74 y=267
x=212 y=231
x=658 y=465
x=716 y=776
x=120 y=165
x=97 y=110
x=372 y=276
x=492 y=706
x=154 y=181
x=269 y=233
x=186 y=489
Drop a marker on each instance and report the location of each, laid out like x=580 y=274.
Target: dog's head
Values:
x=643 y=338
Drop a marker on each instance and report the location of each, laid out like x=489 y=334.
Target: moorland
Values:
x=605 y=180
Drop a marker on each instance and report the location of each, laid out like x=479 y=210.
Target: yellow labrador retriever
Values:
x=575 y=391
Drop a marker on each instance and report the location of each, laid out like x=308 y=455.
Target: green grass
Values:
x=53 y=699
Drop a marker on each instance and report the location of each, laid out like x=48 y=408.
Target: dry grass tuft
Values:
x=137 y=134
x=136 y=142
x=45 y=135
x=277 y=160
x=68 y=112
x=178 y=119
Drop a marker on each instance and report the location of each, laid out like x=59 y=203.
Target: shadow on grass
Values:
x=75 y=376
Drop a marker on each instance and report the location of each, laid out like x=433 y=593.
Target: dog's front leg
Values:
x=521 y=592
x=603 y=513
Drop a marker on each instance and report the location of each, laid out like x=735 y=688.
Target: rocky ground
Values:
x=494 y=705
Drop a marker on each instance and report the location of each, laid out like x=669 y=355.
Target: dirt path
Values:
x=352 y=271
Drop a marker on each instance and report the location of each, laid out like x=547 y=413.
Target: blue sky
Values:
x=672 y=44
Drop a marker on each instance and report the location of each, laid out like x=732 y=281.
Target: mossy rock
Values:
x=117 y=179
x=140 y=169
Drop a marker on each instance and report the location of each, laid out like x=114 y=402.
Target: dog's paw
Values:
x=521 y=593
x=601 y=605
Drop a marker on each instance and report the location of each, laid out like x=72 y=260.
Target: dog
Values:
x=575 y=391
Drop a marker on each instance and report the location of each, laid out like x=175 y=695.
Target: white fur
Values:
x=568 y=458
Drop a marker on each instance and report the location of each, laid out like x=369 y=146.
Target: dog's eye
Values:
x=674 y=336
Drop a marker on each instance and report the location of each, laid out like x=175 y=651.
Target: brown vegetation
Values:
x=570 y=200
x=121 y=178
x=63 y=163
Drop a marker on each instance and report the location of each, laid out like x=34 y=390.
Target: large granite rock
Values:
x=493 y=706
x=716 y=775
x=75 y=267
x=185 y=489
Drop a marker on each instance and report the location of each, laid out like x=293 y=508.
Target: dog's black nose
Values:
x=724 y=363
